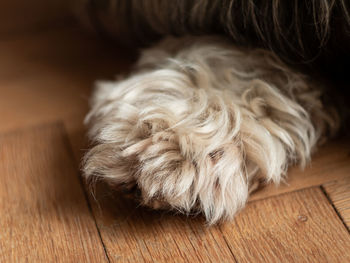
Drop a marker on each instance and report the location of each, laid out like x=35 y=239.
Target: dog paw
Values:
x=195 y=129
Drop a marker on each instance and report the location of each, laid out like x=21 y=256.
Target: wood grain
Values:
x=339 y=194
x=331 y=162
x=134 y=234
x=300 y=226
x=44 y=216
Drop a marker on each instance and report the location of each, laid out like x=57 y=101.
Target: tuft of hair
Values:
x=199 y=122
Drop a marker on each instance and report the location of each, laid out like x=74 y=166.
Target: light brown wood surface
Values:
x=331 y=162
x=135 y=234
x=339 y=194
x=299 y=226
x=45 y=83
x=44 y=214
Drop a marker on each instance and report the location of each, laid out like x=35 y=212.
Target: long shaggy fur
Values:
x=312 y=32
x=199 y=122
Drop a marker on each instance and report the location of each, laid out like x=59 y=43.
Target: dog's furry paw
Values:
x=199 y=122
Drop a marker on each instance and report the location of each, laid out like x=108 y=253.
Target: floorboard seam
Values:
x=283 y=193
x=334 y=207
x=72 y=156
x=227 y=244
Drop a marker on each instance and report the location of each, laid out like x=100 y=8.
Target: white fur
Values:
x=200 y=121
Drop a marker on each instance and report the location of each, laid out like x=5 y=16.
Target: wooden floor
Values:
x=46 y=215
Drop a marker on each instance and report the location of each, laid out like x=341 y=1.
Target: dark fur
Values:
x=309 y=32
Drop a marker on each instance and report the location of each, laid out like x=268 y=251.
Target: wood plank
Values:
x=44 y=215
x=134 y=234
x=339 y=193
x=331 y=162
x=296 y=227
